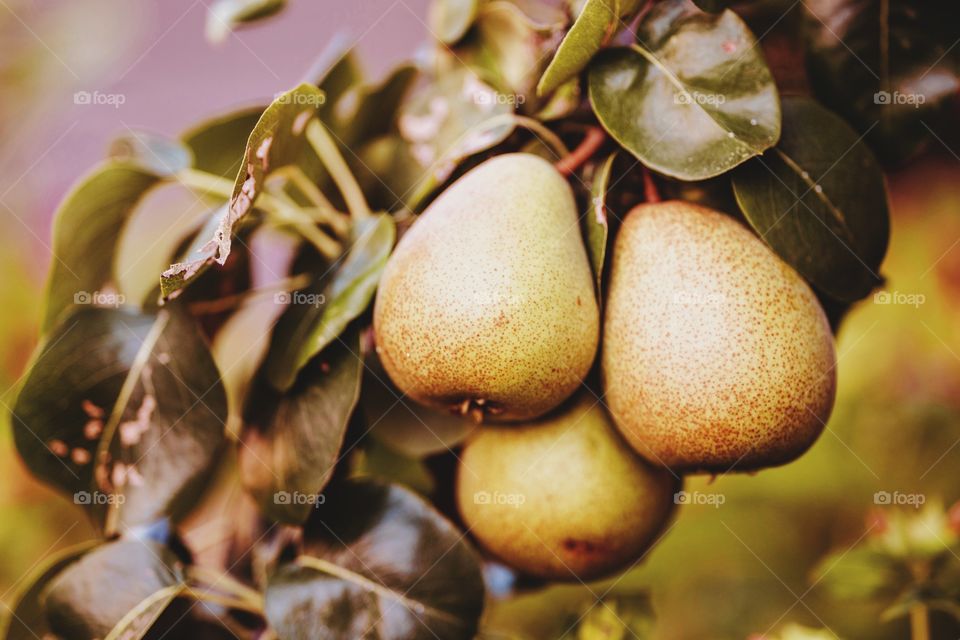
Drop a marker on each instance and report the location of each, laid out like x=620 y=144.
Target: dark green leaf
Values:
x=85 y=232
x=450 y=19
x=291 y=441
x=691 y=102
x=377 y=560
x=891 y=68
x=95 y=593
x=379 y=460
x=595 y=220
x=819 y=200
x=313 y=322
x=376 y=114
x=218 y=144
x=223 y=16
x=155 y=154
x=123 y=411
x=26 y=618
x=596 y=22
x=276 y=141
x=404 y=425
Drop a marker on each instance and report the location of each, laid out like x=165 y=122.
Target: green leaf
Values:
x=596 y=226
x=377 y=557
x=123 y=411
x=401 y=423
x=95 y=593
x=152 y=153
x=291 y=441
x=26 y=617
x=275 y=142
x=307 y=327
x=691 y=102
x=819 y=200
x=218 y=144
x=379 y=460
x=450 y=19
x=378 y=105
x=618 y=617
x=141 y=619
x=598 y=20
x=223 y=16
x=454 y=116
x=892 y=69
x=85 y=232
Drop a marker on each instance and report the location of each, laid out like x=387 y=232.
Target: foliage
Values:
x=124 y=409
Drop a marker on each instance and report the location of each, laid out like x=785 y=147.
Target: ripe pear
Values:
x=716 y=354
x=486 y=306
x=563 y=498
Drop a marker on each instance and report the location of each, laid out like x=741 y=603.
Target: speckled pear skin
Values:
x=716 y=353
x=487 y=304
x=568 y=498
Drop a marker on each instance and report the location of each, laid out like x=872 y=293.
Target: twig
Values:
x=588 y=146
x=650 y=191
x=332 y=159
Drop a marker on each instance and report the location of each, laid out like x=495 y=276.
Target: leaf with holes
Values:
x=86 y=229
x=278 y=140
x=377 y=557
x=311 y=324
x=690 y=101
x=124 y=412
x=597 y=21
x=291 y=440
x=819 y=200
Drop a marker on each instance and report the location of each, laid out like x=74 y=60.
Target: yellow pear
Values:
x=563 y=498
x=486 y=306
x=716 y=354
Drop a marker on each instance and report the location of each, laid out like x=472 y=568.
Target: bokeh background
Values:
x=723 y=571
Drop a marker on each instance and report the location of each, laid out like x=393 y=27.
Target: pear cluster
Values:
x=715 y=356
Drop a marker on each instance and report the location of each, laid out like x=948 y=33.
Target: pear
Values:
x=716 y=354
x=486 y=306
x=563 y=498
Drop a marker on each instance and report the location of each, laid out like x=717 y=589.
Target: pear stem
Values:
x=591 y=142
x=650 y=191
x=332 y=159
x=919 y=622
